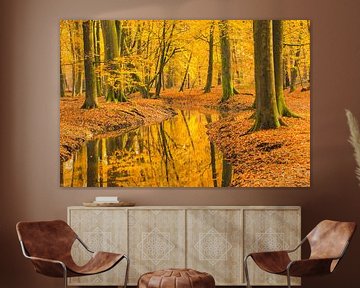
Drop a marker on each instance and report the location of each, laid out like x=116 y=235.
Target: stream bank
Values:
x=78 y=125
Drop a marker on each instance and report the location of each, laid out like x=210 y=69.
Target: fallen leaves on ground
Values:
x=196 y=99
x=268 y=158
x=78 y=125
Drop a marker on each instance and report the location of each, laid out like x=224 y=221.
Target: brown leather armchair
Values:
x=328 y=242
x=48 y=245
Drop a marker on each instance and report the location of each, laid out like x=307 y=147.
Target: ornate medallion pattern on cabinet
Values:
x=214 y=240
x=270 y=230
x=101 y=230
x=156 y=240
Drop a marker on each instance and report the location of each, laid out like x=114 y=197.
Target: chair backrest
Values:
x=46 y=239
x=329 y=239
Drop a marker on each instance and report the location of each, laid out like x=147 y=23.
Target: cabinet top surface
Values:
x=193 y=207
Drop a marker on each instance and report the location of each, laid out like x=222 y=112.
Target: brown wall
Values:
x=30 y=119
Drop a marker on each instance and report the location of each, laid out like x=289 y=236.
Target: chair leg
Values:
x=246 y=270
x=126 y=271
x=288 y=278
x=65 y=276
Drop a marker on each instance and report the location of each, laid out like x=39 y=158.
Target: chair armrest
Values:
x=46 y=260
x=48 y=267
x=309 y=267
x=269 y=252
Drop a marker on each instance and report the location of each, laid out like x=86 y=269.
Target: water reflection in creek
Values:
x=174 y=153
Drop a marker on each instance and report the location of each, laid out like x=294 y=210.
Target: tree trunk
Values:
x=161 y=62
x=226 y=173
x=112 y=52
x=293 y=79
x=62 y=81
x=97 y=56
x=300 y=77
x=294 y=71
x=279 y=68
x=170 y=76
x=209 y=77
x=236 y=72
x=119 y=36
x=74 y=59
x=79 y=64
x=79 y=82
x=163 y=82
x=226 y=79
x=286 y=71
x=257 y=71
x=90 y=92
x=164 y=57
x=138 y=39
x=306 y=76
x=267 y=116
x=186 y=75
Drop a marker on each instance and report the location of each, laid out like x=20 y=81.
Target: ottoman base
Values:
x=176 y=278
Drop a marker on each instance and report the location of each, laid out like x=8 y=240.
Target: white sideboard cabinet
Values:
x=211 y=239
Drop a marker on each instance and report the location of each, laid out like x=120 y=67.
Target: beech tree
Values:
x=112 y=53
x=74 y=56
x=90 y=79
x=78 y=55
x=62 y=82
x=278 y=44
x=97 y=52
x=267 y=115
x=186 y=75
x=164 y=55
x=226 y=75
x=209 y=75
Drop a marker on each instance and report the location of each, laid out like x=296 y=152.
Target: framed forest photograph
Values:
x=184 y=103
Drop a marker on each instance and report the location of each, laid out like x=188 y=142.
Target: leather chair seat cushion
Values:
x=176 y=278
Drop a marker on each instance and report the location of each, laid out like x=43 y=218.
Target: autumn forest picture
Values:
x=185 y=103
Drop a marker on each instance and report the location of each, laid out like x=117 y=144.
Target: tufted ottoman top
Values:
x=176 y=278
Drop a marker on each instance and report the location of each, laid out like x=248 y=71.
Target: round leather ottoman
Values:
x=176 y=278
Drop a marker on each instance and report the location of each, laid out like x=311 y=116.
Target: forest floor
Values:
x=269 y=158
x=78 y=125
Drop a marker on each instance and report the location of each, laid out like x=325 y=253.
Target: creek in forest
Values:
x=174 y=153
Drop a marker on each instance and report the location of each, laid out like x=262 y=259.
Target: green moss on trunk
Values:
x=267 y=116
x=226 y=78
x=90 y=78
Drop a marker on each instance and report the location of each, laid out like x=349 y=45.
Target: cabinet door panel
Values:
x=100 y=230
x=270 y=230
x=214 y=244
x=156 y=240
